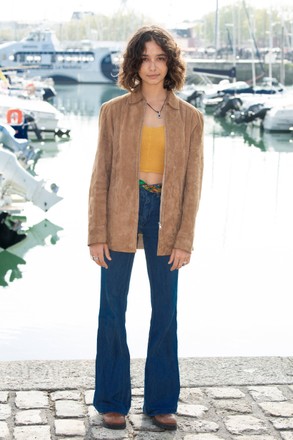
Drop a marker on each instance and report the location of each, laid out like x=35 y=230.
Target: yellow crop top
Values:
x=152 y=150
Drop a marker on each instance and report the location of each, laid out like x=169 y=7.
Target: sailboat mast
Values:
x=282 y=67
x=271 y=46
x=217 y=27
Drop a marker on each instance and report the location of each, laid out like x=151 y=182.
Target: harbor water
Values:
x=235 y=297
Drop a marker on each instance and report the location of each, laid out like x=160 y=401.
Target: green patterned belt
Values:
x=155 y=188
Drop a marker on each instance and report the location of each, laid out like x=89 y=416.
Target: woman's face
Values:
x=153 y=68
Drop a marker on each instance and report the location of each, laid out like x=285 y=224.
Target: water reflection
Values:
x=9 y=264
x=84 y=99
x=267 y=141
x=12 y=256
x=252 y=135
x=49 y=147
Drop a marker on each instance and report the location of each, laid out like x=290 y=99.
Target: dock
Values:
x=244 y=68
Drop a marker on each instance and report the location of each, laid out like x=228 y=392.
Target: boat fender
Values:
x=14 y=116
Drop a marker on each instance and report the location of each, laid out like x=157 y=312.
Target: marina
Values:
x=269 y=105
x=235 y=295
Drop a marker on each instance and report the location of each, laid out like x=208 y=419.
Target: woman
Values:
x=144 y=191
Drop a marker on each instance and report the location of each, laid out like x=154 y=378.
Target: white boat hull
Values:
x=47 y=118
x=18 y=181
x=279 y=119
x=40 y=54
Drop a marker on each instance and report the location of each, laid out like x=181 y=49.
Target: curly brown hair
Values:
x=128 y=77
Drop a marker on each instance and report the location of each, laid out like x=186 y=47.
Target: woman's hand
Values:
x=98 y=253
x=179 y=258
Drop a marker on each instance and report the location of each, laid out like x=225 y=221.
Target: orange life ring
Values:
x=14 y=116
x=30 y=88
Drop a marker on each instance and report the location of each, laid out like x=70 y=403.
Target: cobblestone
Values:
x=69 y=427
x=4 y=432
x=5 y=411
x=219 y=411
x=31 y=399
x=270 y=394
x=3 y=397
x=281 y=423
x=32 y=433
x=69 y=408
x=280 y=409
x=242 y=424
x=29 y=417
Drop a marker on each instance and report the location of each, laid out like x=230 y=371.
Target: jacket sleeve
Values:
x=192 y=189
x=100 y=180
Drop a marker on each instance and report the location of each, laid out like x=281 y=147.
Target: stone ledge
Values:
x=195 y=372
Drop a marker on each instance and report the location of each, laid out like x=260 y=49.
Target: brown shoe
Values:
x=165 y=421
x=114 y=420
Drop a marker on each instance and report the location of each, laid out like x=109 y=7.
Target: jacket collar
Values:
x=136 y=96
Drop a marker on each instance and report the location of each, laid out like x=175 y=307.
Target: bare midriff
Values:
x=151 y=178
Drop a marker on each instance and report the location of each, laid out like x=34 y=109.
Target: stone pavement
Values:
x=221 y=398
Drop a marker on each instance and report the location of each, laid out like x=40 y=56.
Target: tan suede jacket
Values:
x=114 y=189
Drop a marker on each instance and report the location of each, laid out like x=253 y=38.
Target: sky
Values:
x=161 y=11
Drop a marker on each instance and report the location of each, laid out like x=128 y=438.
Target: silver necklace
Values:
x=157 y=111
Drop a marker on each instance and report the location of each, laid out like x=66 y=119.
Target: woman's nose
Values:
x=153 y=65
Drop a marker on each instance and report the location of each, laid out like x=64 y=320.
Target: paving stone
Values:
x=191 y=395
x=4 y=431
x=286 y=435
x=136 y=405
x=32 y=433
x=232 y=406
x=69 y=427
x=70 y=438
x=265 y=393
x=5 y=411
x=89 y=397
x=199 y=426
x=254 y=437
x=281 y=423
x=242 y=424
x=191 y=410
x=141 y=422
x=65 y=395
x=156 y=436
x=163 y=435
x=4 y=396
x=137 y=392
x=94 y=417
x=69 y=408
x=31 y=399
x=203 y=437
x=225 y=393
x=278 y=409
x=30 y=417
x=111 y=434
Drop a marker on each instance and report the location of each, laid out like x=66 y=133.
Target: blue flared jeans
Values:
x=162 y=385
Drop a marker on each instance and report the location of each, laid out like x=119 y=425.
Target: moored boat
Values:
x=42 y=118
x=279 y=118
x=41 y=54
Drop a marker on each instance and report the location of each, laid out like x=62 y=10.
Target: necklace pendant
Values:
x=159 y=115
